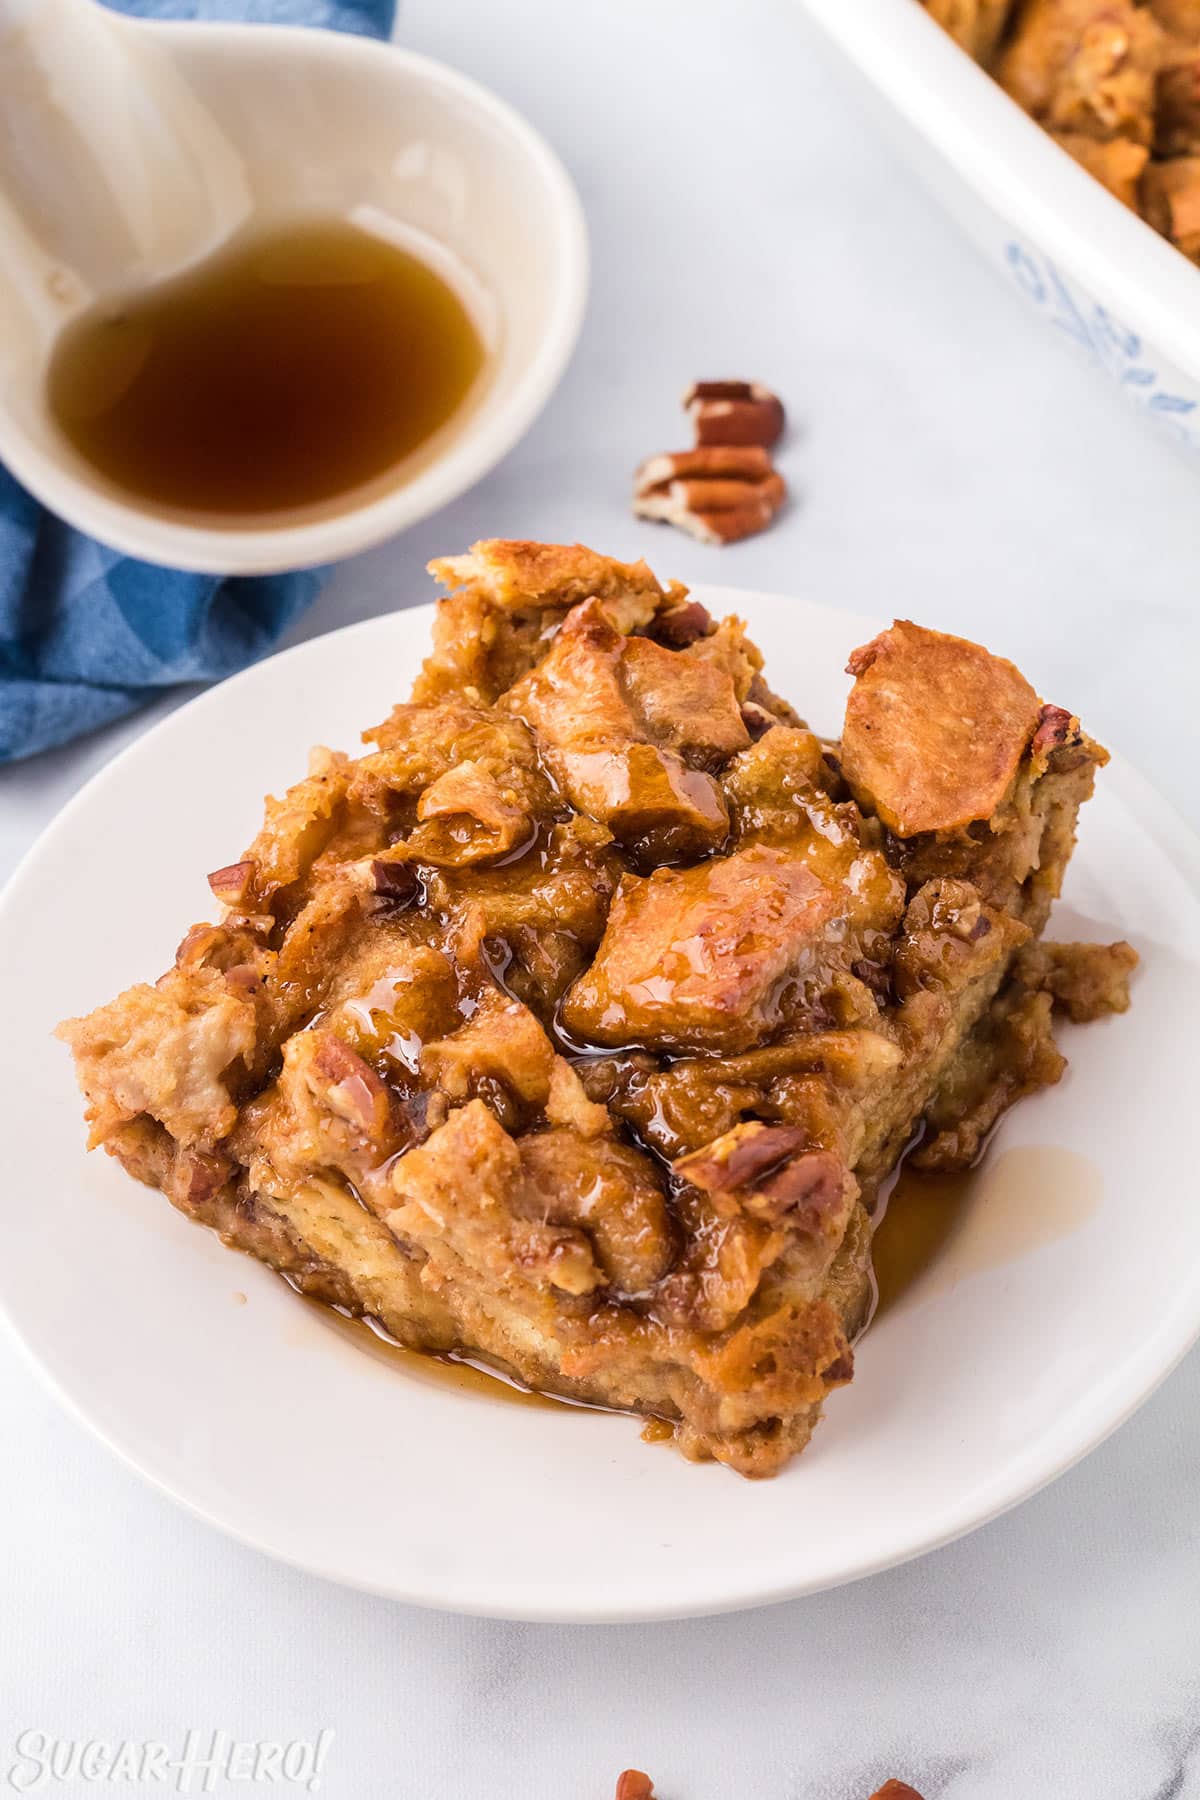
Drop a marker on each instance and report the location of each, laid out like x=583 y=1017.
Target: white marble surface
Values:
x=951 y=462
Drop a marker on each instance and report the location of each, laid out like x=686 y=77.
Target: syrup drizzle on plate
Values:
x=939 y=1229
x=444 y=1371
x=936 y=1230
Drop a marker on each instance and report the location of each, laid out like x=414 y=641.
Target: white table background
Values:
x=951 y=462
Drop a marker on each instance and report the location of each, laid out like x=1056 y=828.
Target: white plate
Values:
x=993 y=1375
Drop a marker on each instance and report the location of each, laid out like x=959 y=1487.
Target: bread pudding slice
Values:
x=575 y=1026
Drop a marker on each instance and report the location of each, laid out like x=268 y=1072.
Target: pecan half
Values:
x=719 y=494
x=734 y=412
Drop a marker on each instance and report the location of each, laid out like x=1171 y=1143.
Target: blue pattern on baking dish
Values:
x=1105 y=340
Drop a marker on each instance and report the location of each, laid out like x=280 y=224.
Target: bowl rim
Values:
x=1015 y=166
x=217 y=549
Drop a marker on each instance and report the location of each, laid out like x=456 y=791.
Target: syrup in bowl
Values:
x=301 y=362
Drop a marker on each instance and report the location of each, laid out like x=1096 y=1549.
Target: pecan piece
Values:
x=734 y=412
x=777 y=1178
x=860 y=660
x=396 y=883
x=808 y=1192
x=682 y=625
x=198 y=1174
x=874 y=975
x=232 y=884
x=718 y=493
x=740 y=1156
x=349 y=1087
x=757 y=720
x=1055 y=727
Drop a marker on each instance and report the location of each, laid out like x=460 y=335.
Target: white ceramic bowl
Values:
x=262 y=121
x=1094 y=270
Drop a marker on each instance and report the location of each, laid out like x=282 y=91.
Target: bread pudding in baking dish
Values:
x=1116 y=83
x=577 y=1026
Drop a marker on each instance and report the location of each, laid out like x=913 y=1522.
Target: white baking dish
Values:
x=1085 y=262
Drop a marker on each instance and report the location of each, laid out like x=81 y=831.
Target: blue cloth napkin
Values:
x=87 y=634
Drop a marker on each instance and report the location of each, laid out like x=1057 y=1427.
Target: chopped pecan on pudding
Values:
x=574 y=1025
